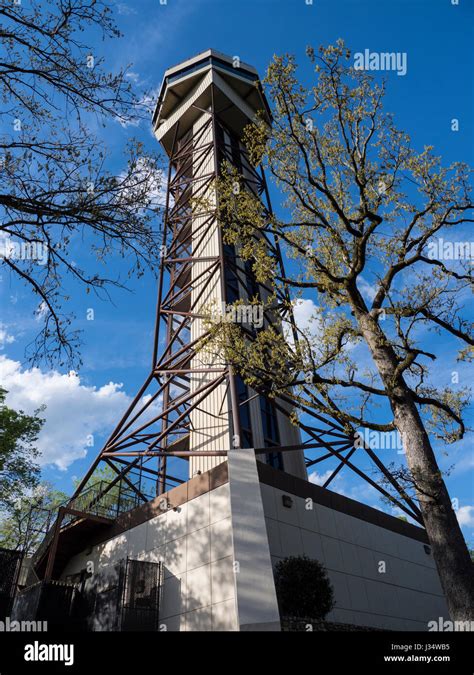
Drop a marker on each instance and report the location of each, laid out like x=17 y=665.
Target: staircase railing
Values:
x=92 y=501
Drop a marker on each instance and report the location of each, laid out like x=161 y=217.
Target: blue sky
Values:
x=437 y=37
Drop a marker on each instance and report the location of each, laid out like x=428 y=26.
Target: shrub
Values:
x=303 y=588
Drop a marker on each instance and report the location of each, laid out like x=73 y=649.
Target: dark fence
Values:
x=140 y=595
x=10 y=564
x=124 y=597
x=60 y=604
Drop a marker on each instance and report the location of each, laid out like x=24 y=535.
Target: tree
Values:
x=363 y=202
x=112 y=500
x=26 y=519
x=19 y=471
x=56 y=193
x=303 y=588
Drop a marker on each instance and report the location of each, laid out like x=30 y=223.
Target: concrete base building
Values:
x=220 y=537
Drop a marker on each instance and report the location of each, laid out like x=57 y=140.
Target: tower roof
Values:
x=228 y=74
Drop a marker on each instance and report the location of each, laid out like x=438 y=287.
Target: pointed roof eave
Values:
x=199 y=98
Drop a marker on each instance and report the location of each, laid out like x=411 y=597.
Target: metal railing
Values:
x=95 y=501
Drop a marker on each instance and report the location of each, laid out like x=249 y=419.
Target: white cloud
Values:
x=319 y=478
x=126 y=122
x=306 y=315
x=5 y=337
x=156 y=182
x=308 y=318
x=41 y=311
x=367 y=290
x=148 y=100
x=74 y=411
x=145 y=105
x=465 y=516
x=125 y=10
x=134 y=77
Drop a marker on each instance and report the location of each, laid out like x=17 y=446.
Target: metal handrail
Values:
x=93 y=501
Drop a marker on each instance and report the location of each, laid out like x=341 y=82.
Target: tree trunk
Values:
x=449 y=549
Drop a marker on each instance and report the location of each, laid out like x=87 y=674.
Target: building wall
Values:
x=380 y=578
x=379 y=568
x=194 y=542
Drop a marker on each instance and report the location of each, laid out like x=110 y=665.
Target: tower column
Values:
x=212 y=102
